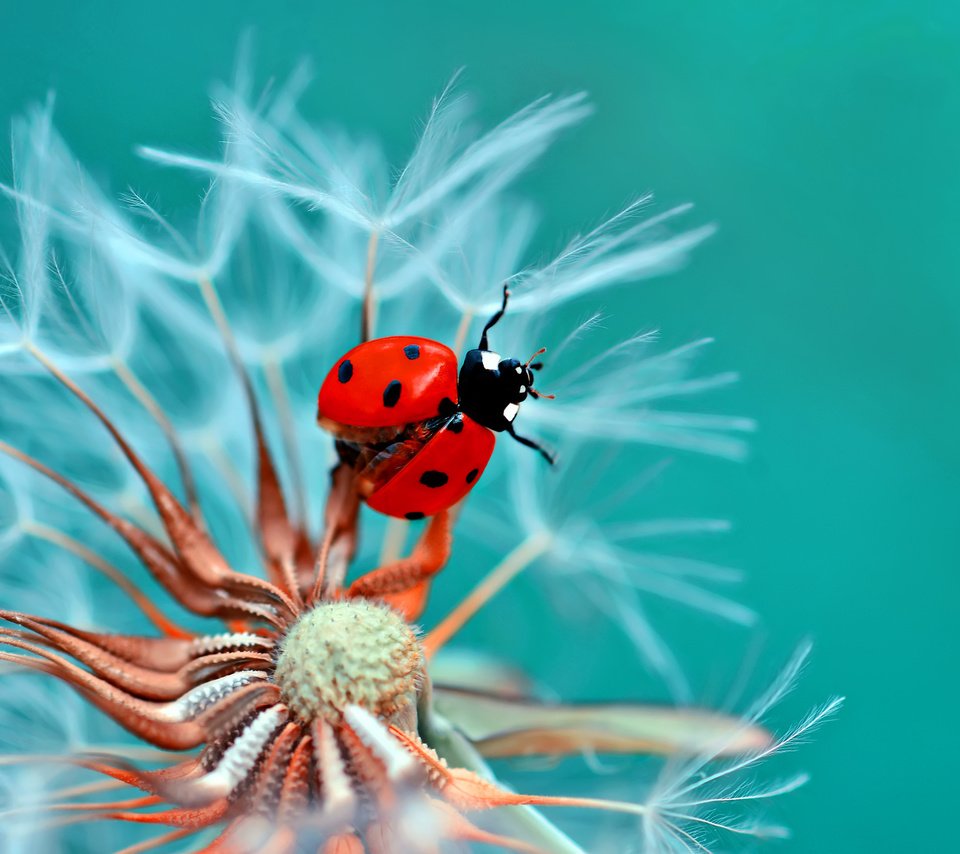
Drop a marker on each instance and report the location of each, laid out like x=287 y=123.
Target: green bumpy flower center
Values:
x=351 y=652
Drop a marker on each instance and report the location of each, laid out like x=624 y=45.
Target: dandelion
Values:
x=289 y=700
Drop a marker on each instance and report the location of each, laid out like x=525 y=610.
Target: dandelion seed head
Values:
x=166 y=369
x=344 y=653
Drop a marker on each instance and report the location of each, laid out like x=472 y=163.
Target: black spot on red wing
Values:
x=391 y=394
x=411 y=351
x=456 y=426
x=413 y=516
x=446 y=408
x=472 y=475
x=434 y=479
x=345 y=371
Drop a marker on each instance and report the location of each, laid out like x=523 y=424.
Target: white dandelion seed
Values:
x=698 y=803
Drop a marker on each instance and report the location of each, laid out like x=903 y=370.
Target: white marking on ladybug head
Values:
x=491 y=360
x=519 y=369
x=510 y=411
x=523 y=389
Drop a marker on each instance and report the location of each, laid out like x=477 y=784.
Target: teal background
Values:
x=823 y=138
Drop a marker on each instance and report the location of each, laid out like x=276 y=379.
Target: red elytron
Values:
x=417 y=435
x=388 y=383
x=440 y=473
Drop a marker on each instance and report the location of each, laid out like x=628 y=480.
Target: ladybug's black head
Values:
x=491 y=389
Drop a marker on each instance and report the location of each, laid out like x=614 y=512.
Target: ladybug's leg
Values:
x=494 y=320
x=405 y=580
x=523 y=440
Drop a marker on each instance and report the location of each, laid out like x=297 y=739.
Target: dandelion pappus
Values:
x=417 y=434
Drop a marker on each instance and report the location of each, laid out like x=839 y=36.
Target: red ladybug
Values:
x=417 y=435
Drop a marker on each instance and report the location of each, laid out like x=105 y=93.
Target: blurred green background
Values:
x=823 y=138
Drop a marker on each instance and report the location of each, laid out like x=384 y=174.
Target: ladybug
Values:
x=417 y=432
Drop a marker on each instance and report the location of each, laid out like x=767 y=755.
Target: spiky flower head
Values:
x=166 y=384
x=351 y=653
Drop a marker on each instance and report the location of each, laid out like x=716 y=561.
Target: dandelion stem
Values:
x=589 y=803
x=224 y=463
x=86 y=806
x=367 y=318
x=84 y=789
x=157 y=841
x=339 y=537
x=325 y=580
x=504 y=572
x=212 y=301
x=65 y=541
x=461 y=337
x=272 y=519
x=129 y=752
x=393 y=540
x=149 y=402
x=278 y=391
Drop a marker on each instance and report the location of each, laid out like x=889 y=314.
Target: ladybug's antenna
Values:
x=536 y=395
x=538 y=365
x=535 y=366
x=493 y=320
